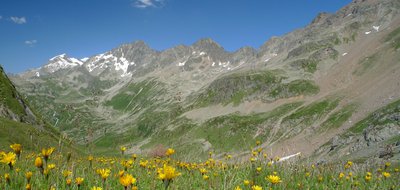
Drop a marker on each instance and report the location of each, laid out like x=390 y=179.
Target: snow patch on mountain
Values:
x=181 y=64
x=58 y=56
x=61 y=62
x=103 y=61
x=123 y=64
x=269 y=57
x=376 y=28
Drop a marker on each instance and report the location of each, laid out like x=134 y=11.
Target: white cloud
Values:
x=148 y=3
x=18 y=20
x=31 y=42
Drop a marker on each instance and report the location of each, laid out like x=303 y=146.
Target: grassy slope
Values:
x=8 y=95
x=377 y=118
x=264 y=85
x=31 y=137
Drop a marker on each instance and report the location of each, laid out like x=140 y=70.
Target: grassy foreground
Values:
x=51 y=170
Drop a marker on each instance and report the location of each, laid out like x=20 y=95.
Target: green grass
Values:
x=377 y=118
x=394 y=38
x=149 y=121
x=309 y=114
x=339 y=117
x=238 y=97
x=232 y=132
x=178 y=134
x=8 y=95
x=134 y=94
x=31 y=137
x=302 y=87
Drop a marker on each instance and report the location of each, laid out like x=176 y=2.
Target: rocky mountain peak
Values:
x=61 y=62
x=207 y=44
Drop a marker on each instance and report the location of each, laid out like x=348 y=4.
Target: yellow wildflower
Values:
x=386 y=174
x=127 y=180
x=51 y=166
x=68 y=182
x=104 y=173
x=143 y=163
x=79 y=181
x=28 y=176
x=368 y=178
x=203 y=171
x=170 y=152
x=123 y=149
x=28 y=186
x=17 y=149
x=206 y=177
x=246 y=182
x=96 y=188
x=38 y=162
x=47 y=152
x=121 y=173
x=256 y=187
x=66 y=173
x=168 y=173
x=348 y=164
x=9 y=159
x=274 y=179
x=90 y=158
x=238 y=188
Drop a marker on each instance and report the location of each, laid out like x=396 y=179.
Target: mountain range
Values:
x=329 y=90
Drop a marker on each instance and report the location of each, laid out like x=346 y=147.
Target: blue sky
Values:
x=32 y=31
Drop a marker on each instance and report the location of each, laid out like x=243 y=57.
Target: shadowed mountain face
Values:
x=21 y=124
x=306 y=91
